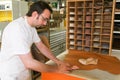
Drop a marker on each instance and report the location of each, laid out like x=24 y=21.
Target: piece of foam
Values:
x=88 y=61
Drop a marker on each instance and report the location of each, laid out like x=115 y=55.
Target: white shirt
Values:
x=17 y=38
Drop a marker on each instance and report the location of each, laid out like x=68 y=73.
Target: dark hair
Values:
x=39 y=6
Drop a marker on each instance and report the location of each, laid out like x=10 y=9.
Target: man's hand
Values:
x=66 y=67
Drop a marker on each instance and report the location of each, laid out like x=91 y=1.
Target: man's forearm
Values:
x=47 y=52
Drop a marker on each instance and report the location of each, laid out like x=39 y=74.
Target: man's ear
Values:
x=35 y=15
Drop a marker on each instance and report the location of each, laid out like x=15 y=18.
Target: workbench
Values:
x=95 y=74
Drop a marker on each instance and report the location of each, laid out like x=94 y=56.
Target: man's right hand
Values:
x=66 y=67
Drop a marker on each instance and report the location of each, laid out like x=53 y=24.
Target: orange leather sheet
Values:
x=57 y=76
x=105 y=62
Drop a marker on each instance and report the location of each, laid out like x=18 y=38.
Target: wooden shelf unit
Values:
x=116 y=34
x=90 y=25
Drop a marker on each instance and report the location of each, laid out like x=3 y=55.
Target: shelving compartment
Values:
x=117 y=9
x=116 y=37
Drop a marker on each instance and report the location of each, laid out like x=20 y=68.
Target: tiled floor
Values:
x=114 y=53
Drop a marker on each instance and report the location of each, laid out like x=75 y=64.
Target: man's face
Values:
x=43 y=18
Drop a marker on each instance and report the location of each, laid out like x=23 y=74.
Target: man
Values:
x=18 y=36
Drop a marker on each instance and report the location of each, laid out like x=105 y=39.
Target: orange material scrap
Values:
x=58 y=76
x=105 y=62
